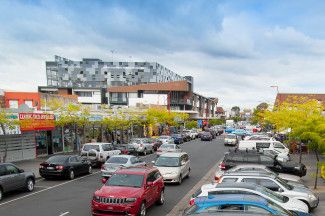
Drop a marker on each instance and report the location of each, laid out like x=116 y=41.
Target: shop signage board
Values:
x=14 y=129
x=36 y=121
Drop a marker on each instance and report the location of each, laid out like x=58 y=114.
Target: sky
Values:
x=235 y=50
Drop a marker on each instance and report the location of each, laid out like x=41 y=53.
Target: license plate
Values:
x=50 y=168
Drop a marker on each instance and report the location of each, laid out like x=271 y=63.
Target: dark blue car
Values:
x=178 y=138
x=240 y=204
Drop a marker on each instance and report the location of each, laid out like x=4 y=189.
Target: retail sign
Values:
x=36 y=121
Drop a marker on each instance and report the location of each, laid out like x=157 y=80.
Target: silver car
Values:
x=141 y=146
x=166 y=139
x=12 y=178
x=257 y=168
x=276 y=184
x=164 y=148
x=117 y=162
x=174 y=167
x=244 y=188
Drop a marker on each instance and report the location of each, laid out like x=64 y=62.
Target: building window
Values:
x=13 y=104
x=105 y=72
x=140 y=94
x=84 y=94
x=29 y=103
x=81 y=72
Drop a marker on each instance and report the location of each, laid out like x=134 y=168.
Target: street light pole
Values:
x=275 y=86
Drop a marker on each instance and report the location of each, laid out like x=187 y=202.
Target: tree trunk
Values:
x=4 y=159
x=300 y=153
x=316 y=176
x=84 y=134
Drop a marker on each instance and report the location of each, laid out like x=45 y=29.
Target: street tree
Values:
x=303 y=118
x=6 y=123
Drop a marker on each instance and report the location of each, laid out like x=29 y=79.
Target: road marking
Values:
x=49 y=188
x=36 y=186
x=65 y=213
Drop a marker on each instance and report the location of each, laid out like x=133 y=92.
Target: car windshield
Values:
x=229 y=136
x=279 y=209
x=91 y=147
x=57 y=159
x=107 y=147
x=176 y=135
x=272 y=195
x=284 y=183
x=167 y=161
x=125 y=180
x=167 y=146
x=117 y=160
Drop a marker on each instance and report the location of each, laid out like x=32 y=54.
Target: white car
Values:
x=166 y=139
x=246 y=188
x=174 y=167
x=141 y=146
x=257 y=168
x=98 y=153
x=262 y=144
x=164 y=148
x=117 y=162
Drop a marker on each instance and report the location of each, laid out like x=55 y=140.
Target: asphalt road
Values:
x=65 y=198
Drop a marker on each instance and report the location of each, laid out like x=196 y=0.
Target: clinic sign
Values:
x=36 y=121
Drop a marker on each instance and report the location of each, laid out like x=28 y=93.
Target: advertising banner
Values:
x=36 y=121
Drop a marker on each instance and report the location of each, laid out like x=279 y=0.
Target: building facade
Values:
x=95 y=73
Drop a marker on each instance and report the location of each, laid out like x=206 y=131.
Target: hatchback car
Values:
x=12 y=178
x=120 y=161
x=129 y=191
x=231 y=139
x=276 y=184
x=174 y=167
x=241 y=204
x=247 y=188
x=141 y=146
x=178 y=138
x=64 y=166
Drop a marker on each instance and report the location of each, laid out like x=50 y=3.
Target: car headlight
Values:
x=96 y=198
x=297 y=168
x=130 y=200
x=312 y=197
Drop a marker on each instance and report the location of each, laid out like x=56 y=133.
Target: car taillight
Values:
x=59 y=167
x=192 y=202
x=222 y=166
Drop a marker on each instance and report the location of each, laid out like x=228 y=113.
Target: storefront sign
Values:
x=36 y=121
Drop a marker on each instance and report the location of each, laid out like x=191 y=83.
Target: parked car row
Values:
x=252 y=182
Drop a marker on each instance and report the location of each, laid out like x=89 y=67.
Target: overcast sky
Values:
x=235 y=50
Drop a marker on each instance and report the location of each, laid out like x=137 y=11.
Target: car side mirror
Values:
x=104 y=180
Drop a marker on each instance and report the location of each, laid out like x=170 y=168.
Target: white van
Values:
x=263 y=144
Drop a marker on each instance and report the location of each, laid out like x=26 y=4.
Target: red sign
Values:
x=36 y=121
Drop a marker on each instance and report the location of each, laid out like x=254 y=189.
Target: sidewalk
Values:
x=33 y=165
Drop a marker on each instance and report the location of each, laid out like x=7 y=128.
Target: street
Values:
x=61 y=197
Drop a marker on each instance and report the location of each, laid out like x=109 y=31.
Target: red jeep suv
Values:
x=129 y=192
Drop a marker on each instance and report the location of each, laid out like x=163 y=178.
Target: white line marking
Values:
x=46 y=189
x=65 y=213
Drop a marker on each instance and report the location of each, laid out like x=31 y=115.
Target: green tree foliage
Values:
x=191 y=124
x=216 y=122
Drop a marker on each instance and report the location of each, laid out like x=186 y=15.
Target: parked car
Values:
x=98 y=153
x=156 y=143
x=247 y=188
x=213 y=132
x=231 y=139
x=219 y=130
x=13 y=178
x=206 y=136
x=194 y=133
x=178 y=138
x=64 y=166
x=129 y=191
x=141 y=146
x=262 y=144
x=166 y=139
x=126 y=149
x=229 y=129
x=187 y=135
x=117 y=162
x=237 y=204
x=276 y=184
x=164 y=148
x=242 y=157
x=174 y=167
x=257 y=168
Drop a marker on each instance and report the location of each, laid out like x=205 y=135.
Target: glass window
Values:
x=90 y=147
x=266 y=159
x=227 y=180
x=11 y=170
x=256 y=209
x=151 y=177
x=250 y=180
x=13 y=104
x=232 y=207
x=167 y=161
x=278 y=145
x=57 y=159
x=107 y=147
x=2 y=170
x=118 y=160
x=125 y=180
x=29 y=103
x=73 y=160
x=269 y=184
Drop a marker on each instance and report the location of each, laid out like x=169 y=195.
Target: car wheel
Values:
x=142 y=210
x=1 y=194
x=180 y=179
x=71 y=175
x=161 y=199
x=90 y=169
x=29 y=185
